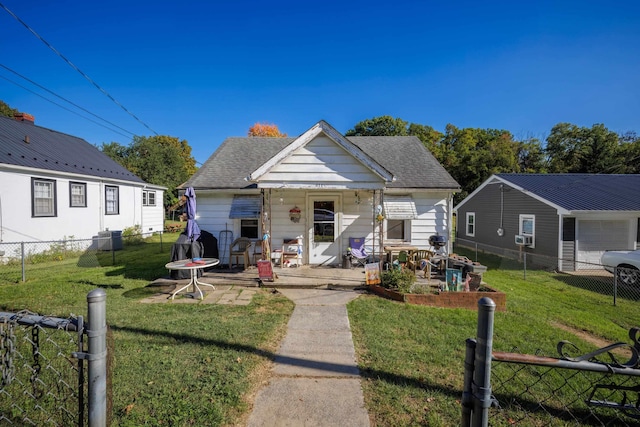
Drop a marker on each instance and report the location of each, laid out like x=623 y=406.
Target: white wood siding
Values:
x=321 y=164
x=18 y=225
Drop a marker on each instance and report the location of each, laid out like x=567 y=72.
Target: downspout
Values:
x=101 y=207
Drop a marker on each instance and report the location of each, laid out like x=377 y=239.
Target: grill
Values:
x=437 y=241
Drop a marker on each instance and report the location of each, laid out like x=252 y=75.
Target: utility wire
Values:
x=64 y=99
x=75 y=68
x=62 y=106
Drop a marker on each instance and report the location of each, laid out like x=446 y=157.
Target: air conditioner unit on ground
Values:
x=523 y=240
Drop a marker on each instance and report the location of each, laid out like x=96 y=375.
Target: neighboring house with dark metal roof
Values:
x=323 y=188
x=572 y=217
x=54 y=186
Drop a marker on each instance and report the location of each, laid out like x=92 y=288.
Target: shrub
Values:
x=132 y=235
x=400 y=280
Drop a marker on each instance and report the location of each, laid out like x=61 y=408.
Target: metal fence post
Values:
x=482 y=372
x=97 y=356
x=615 y=285
x=467 y=390
x=525 y=265
x=24 y=277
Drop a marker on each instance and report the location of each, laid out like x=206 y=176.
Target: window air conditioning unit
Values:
x=522 y=240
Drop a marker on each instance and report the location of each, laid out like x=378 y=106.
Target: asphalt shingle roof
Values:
x=55 y=151
x=404 y=156
x=582 y=192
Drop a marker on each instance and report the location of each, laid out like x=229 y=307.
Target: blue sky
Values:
x=205 y=70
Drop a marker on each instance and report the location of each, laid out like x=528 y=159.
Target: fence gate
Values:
x=44 y=380
x=601 y=388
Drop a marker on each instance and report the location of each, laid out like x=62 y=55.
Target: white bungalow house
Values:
x=55 y=186
x=321 y=188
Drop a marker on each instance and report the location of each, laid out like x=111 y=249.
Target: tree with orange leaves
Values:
x=266 y=130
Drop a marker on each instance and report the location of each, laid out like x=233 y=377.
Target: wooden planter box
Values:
x=467 y=300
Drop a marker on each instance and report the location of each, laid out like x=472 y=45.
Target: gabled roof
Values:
x=405 y=157
x=24 y=144
x=306 y=137
x=576 y=192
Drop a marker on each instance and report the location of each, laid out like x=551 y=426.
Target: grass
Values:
x=411 y=357
x=184 y=365
x=173 y=364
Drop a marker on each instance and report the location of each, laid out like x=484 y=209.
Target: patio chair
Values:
x=424 y=263
x=403 y=259
x=239 y=248
x=359 y=254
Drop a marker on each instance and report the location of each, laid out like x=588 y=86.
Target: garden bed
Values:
x=442 y=299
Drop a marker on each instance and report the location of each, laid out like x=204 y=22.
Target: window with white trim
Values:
x=77 y=194
x=148 y=198
x=43 y=197
x=112 y=200
x=527 y=227
x=471 y=224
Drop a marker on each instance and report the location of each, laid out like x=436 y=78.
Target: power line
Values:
x=63 y=98
x=75 y=68
x=62 y=106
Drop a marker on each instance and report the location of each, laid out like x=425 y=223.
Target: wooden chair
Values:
x=422 y=261
x=239 y=248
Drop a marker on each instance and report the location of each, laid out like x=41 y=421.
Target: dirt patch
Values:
x=590 y=338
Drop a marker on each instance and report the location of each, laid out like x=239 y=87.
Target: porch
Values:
x=287 y=277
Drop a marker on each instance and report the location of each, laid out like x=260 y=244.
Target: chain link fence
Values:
x=589 y=276
x=601 y=388
x=42 y=383
x=18 y=259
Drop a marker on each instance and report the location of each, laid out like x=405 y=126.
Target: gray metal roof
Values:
x=582 y=192
x=55 y=151
x=404 y=156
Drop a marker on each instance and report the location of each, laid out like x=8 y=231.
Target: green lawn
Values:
x=412 y=356
x=199 y=365
x=173 y=364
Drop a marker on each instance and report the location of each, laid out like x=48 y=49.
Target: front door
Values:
x=324 y=247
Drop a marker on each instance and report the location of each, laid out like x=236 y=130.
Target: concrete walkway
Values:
x=315 y=379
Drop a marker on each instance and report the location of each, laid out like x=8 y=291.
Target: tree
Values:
x=160 y=160
x=531 y=156
x=573 y=149
x=380 y=126
x=265 y=130
x=6 y=110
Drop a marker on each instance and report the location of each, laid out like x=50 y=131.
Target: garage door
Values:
x=594 y=237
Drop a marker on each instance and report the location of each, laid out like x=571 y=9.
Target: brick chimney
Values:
x=24 y=117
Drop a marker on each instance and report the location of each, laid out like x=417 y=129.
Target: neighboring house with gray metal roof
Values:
x=323 y=188
x=572 y=217
x=55 y=186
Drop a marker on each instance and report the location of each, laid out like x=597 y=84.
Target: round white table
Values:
x=192 y=266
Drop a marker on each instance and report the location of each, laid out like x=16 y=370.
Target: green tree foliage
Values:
x=472 y=155
x=6 y=110
x=573 y=149
x=380 y=126
x=160 y=160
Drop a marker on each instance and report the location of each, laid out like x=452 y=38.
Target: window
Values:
x=43 y=197
x=396 y=229
x=324 y=218
x=112 y=200
x=77 y=194
x=249 y=228
x=471 y=224
x=148 y=198
x=528 y=227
